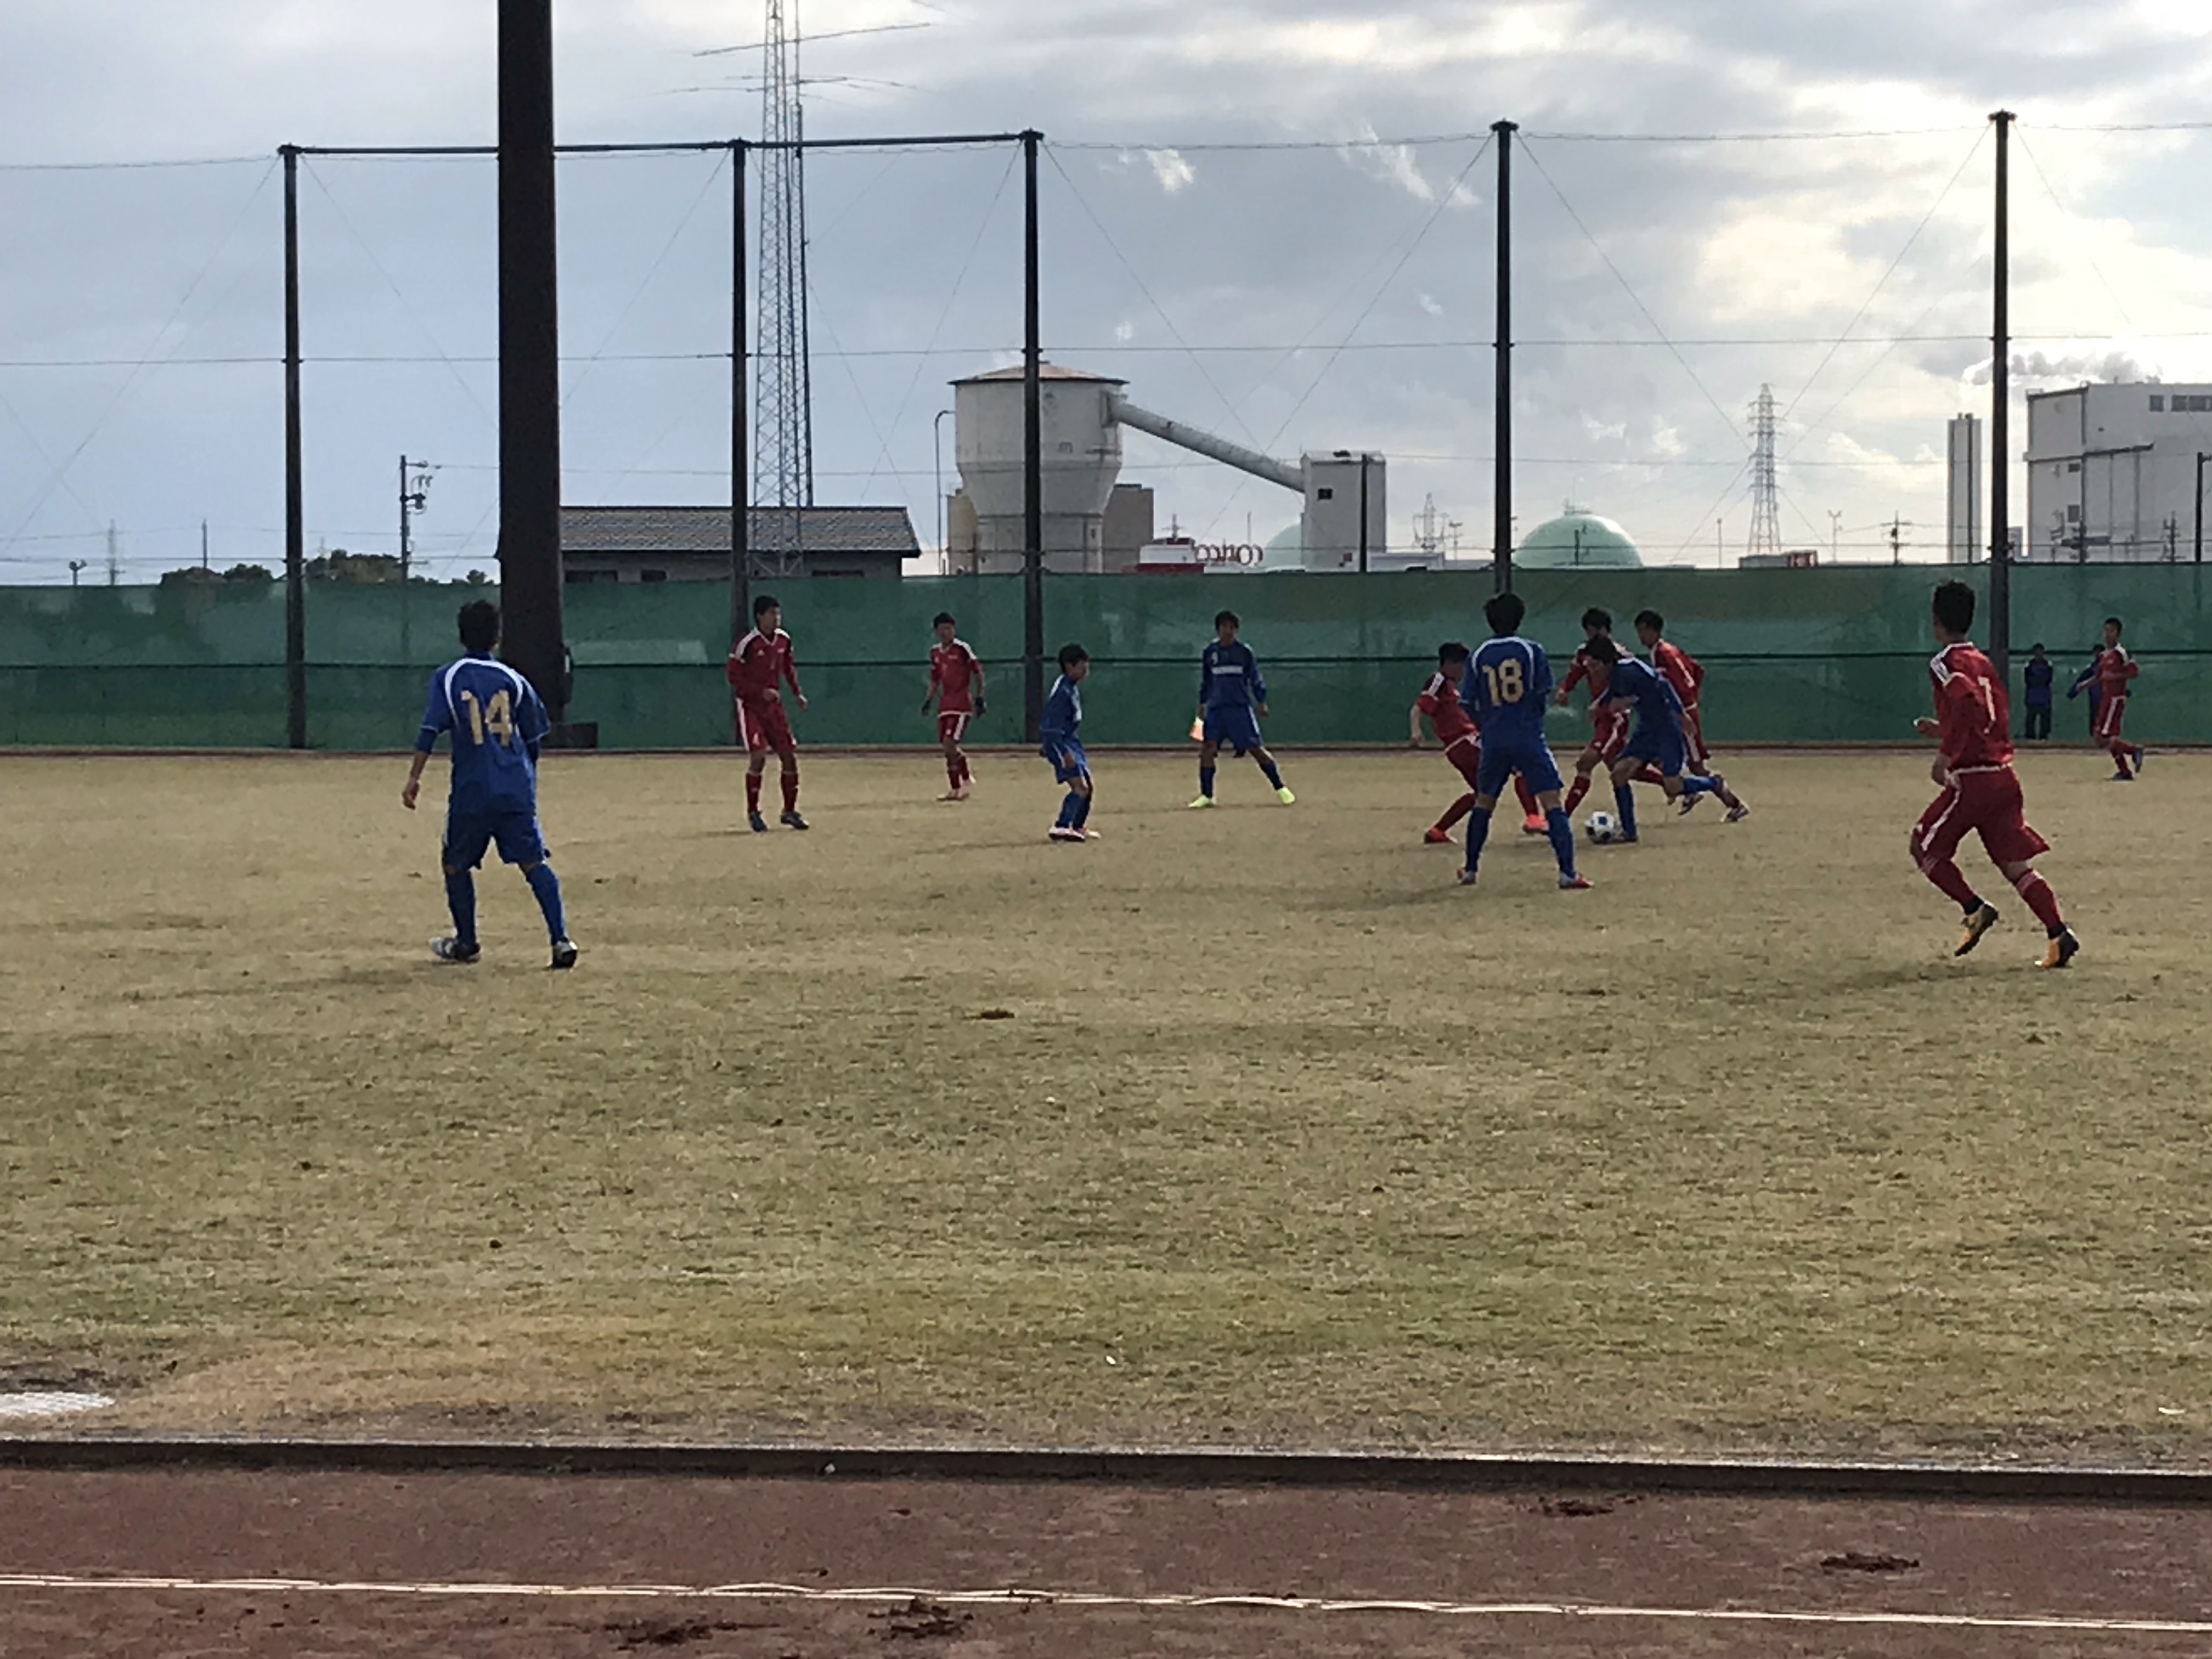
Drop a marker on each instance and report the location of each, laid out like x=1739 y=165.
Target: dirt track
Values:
x=402 y=1542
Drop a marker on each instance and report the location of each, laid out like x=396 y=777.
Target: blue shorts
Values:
x=1068 y=761
x=1660 y=746
x=1233 y=725
x=1502 y=758
x=468 y=834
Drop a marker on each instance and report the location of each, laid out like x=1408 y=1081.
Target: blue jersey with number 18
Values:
x=1507 y=687
x=497 y=724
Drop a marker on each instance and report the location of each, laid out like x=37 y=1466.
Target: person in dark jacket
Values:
x=2036 y=679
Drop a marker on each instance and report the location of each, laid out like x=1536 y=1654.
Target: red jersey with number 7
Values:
x=1972 y=709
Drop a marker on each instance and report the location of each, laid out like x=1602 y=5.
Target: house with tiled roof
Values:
x=692 y=544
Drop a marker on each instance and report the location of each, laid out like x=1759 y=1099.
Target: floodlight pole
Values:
x=1501 y=488
x=741 y=511
x=530 y=359
x=1032 y=458
x=295 y=527
x=2000 y=416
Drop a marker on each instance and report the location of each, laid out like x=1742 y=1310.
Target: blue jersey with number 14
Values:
x=497 y=724
x=1507 y=687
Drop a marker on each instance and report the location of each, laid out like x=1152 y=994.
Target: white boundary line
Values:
x=1029 y=1598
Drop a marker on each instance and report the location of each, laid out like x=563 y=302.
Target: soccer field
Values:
x=1246 y=1126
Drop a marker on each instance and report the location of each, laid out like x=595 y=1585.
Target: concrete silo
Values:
x=1082 y=457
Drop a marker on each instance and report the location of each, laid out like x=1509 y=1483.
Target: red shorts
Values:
x=1466 y=753
x=2111 y=714
x=1609 y=736
x=763 y=728
x=1986 y=801
x=953 y=726
x=1699 y=757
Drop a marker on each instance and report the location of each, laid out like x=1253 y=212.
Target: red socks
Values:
x=791 y=788
x=2036 y=893
x=1527 y=795
x=1576 y=790
x=752 y=793
x=1458 y=810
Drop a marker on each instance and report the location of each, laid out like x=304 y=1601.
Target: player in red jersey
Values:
x=761 y=660
x=2116 y=673
x=956 y=686
x=1456 y=730
x=1981 y=792
x=1610 y=722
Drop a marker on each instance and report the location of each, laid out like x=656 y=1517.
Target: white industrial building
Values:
x=2113 y=472
x=1343 y=524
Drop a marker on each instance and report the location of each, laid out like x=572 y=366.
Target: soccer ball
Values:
x=1603 y=828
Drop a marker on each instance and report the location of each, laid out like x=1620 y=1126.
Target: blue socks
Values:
x=547 y=886
x=1478 y=831
x=1561 y=828
x=1206 y=781
x=1624 y=805
x=1695 y=784
x=1082 y=812
x=461 y=900
x=1274 y=773
x=1071 y=810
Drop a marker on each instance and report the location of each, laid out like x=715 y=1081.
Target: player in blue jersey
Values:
x=1660 y=741
x=1507 y=688
x=1062 y=731
x=1232 y=695
x=497 y=724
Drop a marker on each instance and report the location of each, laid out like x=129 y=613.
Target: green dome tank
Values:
x=1579 y=541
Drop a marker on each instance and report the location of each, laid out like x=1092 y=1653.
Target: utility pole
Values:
x=295 y=532
x=1835 y=536
x=1897 y=540
x=204 y=544
x=414 y=497
x=115 y=565
x=1501 y=487
x=2000 y=415
x=2201 y=459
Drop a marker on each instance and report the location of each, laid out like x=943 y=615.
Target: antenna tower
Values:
x=1765 y=493
x=783 y=417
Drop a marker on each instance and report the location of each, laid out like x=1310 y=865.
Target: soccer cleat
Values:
x=1466 y=877
x=2123 y=777
x=1202 y=801
x=758 y=823
x=1436 y=837
x=961 y=793
x=1284 y=796
x=1575 y=884
x=1976 y=925
x=795 y=819
x=1533 y=824
x=1738 y=813
x=564 y=953
x=2061 y=951
x=1092 y=835
x=2141 y=755
x=1063 y=832
x=1687 y=805
x=452 y=950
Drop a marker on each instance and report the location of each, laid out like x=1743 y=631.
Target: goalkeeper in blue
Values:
x=1232 y=696
x=1661 y=739
x=497 y=723
x=1507 y=688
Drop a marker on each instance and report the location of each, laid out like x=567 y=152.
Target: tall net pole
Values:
x=783 y=439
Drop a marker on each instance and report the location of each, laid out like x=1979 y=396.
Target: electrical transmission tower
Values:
x=1766 y=492
x=783 y=416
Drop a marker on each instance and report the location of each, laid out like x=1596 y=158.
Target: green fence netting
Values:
x=1805 y=656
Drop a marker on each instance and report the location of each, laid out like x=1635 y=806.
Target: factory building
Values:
x=2114 y=472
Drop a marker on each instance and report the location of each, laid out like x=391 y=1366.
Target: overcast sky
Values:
x=1329 y=295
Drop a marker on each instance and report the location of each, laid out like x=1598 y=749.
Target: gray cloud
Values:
x=1314 y=315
